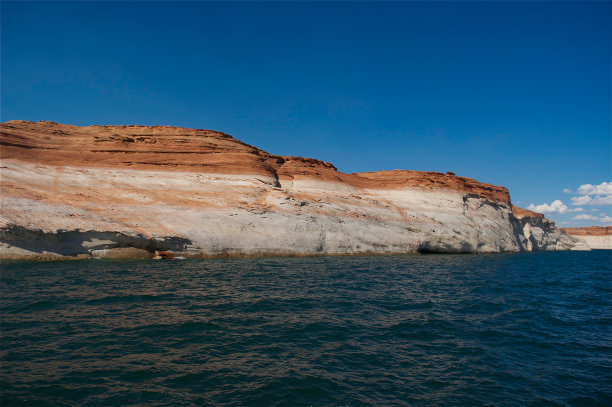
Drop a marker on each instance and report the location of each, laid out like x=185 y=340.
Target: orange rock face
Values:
x=432 y=180
x=522 y=213
x=589 y=231
x=180 y=149
x=137 y=147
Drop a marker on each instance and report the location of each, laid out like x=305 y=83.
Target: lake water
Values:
x=425 y=330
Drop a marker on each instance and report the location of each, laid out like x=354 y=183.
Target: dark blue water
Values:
x=464 y=330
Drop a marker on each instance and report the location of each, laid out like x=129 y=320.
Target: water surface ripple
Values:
x=458 y=330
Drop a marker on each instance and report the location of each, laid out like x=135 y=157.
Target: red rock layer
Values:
x=522 y=213
x=141 y=147
x=589 y=231
x=182 y=149
x=433 y=180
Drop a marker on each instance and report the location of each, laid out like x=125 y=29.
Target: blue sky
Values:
x=511 y=93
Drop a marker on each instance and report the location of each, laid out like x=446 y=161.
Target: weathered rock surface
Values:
x=542 y=234
x=125 y=191
x=598 y=237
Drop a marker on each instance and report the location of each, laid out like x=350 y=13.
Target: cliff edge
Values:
x=125 y=191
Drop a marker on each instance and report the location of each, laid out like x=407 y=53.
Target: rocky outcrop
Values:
x=542 y=234
x=597 y=237
x=131 y=190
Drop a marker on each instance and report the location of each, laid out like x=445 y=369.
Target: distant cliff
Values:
x=125 y=191
x=542 y=234
x=598 y=237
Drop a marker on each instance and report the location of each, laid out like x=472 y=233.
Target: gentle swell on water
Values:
x=504 y=330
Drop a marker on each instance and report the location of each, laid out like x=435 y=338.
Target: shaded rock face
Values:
x=597 y=237
x=121 y=190
x=20 y=242
x=542 y=234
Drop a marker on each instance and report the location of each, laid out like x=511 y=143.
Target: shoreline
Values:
x=84 y=257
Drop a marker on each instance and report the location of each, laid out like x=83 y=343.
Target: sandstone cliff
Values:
x=130 y=190
x=598 y=237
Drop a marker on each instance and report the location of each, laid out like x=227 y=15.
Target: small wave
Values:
x=411 y=306
x=36 y=306
x=131 y=298
x=175 y=330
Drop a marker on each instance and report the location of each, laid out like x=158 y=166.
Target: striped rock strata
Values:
x=598 y=237
x=128 y=190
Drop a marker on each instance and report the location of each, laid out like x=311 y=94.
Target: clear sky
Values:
x=510 y=93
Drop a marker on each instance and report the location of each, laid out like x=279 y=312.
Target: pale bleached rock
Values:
x=598 y=242
x=597 y=237
x=241 y=215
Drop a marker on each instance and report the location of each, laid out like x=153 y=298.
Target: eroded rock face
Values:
x=542 y=234
x=69 y=191
x=597 y=237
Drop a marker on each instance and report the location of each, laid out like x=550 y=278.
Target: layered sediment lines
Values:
x=598 y=237
x=128 y=190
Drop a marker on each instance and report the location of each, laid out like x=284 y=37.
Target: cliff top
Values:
x=183 y=149
x=522 y=213
x=589 y=231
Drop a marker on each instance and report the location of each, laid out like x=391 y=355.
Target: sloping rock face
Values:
x=129 y=190
x=542 y=234
x=598 y=237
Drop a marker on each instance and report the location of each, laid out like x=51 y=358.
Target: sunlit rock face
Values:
x=125 y=191
x=597 y=237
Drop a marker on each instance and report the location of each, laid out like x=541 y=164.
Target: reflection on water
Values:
x=389 y=330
